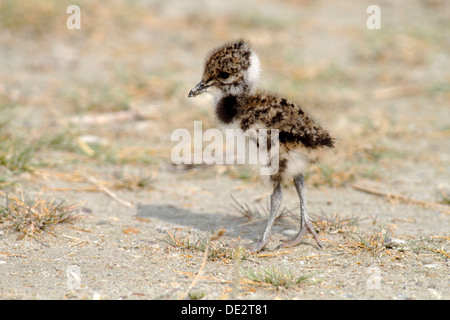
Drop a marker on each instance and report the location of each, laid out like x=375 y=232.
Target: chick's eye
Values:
x=224 y=75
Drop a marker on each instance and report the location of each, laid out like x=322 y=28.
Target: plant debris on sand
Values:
x=32 y=217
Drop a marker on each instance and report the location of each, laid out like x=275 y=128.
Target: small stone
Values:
x=394 y=243
x=289 y=233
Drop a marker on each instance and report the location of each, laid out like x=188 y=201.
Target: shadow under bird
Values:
x=231 y=73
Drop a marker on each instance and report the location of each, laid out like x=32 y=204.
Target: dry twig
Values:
x=430 y=205
x=216 y=235
x=107 y=191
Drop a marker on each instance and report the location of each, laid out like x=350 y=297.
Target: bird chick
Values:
x=231 y=73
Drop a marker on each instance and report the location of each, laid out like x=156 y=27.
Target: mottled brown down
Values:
x=231 y=73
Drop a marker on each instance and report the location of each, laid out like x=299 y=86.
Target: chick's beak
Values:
x=198 y=89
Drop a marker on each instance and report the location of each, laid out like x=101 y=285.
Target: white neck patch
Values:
x=253 y=70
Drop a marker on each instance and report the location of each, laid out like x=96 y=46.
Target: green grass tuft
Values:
x=275 y=277
x=32 y=217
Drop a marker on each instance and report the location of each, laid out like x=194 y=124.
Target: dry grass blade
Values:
x=435 y=248
x=273 y=254
x=439 y=251
x=245 y=210
x=430 y=205
x=335 y=223
x=216 y=235
x=395 y=92
x=216 y=249
x=108 y=191
x=176 y=241
x=259 y=214
x=105 y=118
x=31 y=217
x=275 y=277
x=372 y=242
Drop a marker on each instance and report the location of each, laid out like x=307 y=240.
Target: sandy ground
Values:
x=115 y=264
x=383 y=93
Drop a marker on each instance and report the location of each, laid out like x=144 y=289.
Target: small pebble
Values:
x=393 y=242
x=289 y=232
